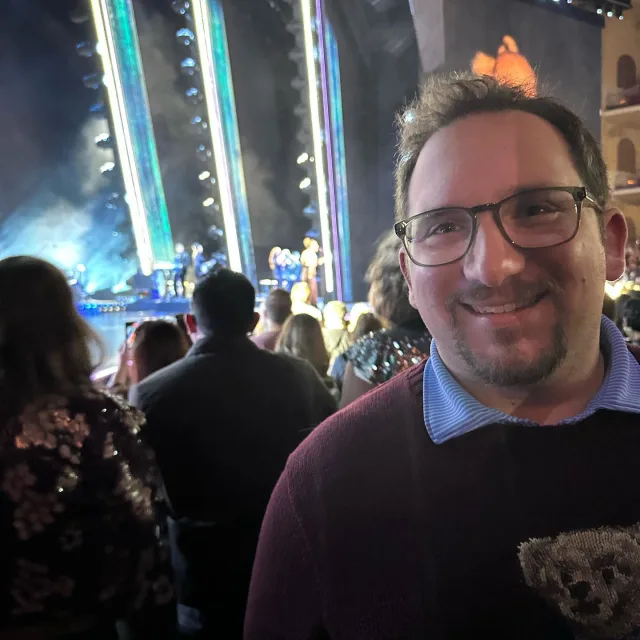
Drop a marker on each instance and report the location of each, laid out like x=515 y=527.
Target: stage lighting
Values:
x=217 y=85
x=92 y=81
x=189 y=66
x=209 y=202
x=107 y=168
x=204 y=175
x=104 y=141
x=610 y=13
x=203 y=153
x=309 y=29
x=193 y=96
x=97 y=108
x=86 y=49
x=619 y=14
x=181 y=7
x=306 y=183
x=599 y=9
x=303 y=157
x=185 y=36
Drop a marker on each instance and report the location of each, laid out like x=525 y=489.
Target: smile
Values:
x=510 y=307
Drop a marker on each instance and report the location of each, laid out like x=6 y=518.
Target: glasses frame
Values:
x=580 y=196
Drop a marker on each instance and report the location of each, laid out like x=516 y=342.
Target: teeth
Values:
x=505 y=308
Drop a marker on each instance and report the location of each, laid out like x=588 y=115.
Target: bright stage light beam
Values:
x=211 y=41
x=126 y=92
x=318 y=152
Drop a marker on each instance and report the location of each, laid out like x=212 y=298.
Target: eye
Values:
x=442 y=229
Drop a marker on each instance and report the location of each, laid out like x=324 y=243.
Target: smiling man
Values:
x=490 y=492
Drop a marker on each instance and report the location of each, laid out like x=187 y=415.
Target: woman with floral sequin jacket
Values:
x=403 y=342
x=78 y=487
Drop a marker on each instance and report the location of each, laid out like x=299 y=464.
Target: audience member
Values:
x=336 y=335
x=300 y=297
x=275 y=311
x=302 y=337
x=631 y=321
x=78 y=487
x=439 y=506
x=367 y=324
x=223 y=421
x=354 y=314
x=156 y=345
x=377 y=358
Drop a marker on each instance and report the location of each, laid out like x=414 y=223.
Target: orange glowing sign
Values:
x=509 y=66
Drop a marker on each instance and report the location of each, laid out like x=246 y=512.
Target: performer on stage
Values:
x=310 y=260
x=197 y=253
x=182 y=263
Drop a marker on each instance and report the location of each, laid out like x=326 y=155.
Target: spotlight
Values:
x=303 y=157
x=610 y=13
x=305 y=183
x=92 y=81
x=204 y=175
x=189 y=66
x=85 y=49
x=619 y=14
x=185 y=36
x=208 y=202
x=181 y=7
x=107 y=168
x=194 y=96
x=203 y=153
x=599 y=9
x=104 y=141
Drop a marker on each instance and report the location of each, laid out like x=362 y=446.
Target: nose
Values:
x=492 y=259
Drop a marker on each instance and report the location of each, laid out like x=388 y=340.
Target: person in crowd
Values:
x=223 y=421
x=631 y=321
x=198 y=259
x=310 y=261
x=300 y=301
x=302 y=337
x=78 y=486
x=155 y=344
x=336 y=335
x=355 y=312
x=275 y=311
x=489 y=492
x=367 y=324
x=375 y=359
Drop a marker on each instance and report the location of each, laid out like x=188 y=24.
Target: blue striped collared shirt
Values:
x=449 y=411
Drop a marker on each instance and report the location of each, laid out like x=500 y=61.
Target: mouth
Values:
x=507 y=307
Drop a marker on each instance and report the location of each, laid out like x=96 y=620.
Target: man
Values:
x=275 y=311
x=491 y=492
x=222 y=422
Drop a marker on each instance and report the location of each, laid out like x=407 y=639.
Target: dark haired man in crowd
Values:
x=491 y=491
x=275 y=311
x=222 y=422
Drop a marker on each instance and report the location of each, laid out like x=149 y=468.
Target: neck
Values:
x=269 y=325
x=563 y=395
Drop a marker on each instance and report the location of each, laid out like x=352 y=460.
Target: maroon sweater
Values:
x=374 y=532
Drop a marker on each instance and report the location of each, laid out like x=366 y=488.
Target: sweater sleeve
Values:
x=284 y=599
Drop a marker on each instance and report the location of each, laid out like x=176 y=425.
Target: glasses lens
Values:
x=540 y=218
x=439 y=237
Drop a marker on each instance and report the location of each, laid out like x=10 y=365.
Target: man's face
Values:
x=485 y=158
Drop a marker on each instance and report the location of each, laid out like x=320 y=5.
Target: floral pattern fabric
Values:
x=79 y=491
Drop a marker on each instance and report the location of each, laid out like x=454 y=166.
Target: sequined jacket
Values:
x=79 y=531
x=382 y=354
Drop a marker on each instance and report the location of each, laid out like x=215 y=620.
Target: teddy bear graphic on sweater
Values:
x=509 y=66
x=591 y=577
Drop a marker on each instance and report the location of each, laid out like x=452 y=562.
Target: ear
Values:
x=405 y=263
x=254 y=322
x=615 y=242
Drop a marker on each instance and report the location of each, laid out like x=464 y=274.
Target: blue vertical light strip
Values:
x=328 y=142
x=127 y=87
x=222 y=69
x=340 y=163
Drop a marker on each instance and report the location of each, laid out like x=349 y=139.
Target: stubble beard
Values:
x=511 y=371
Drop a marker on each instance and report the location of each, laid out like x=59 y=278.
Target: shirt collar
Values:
x=450 y=411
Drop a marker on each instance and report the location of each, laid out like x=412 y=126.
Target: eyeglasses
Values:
x=532 y=219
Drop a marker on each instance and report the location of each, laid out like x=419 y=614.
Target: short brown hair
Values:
x=450 y=97
x=157 y=344
x=277 y=306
